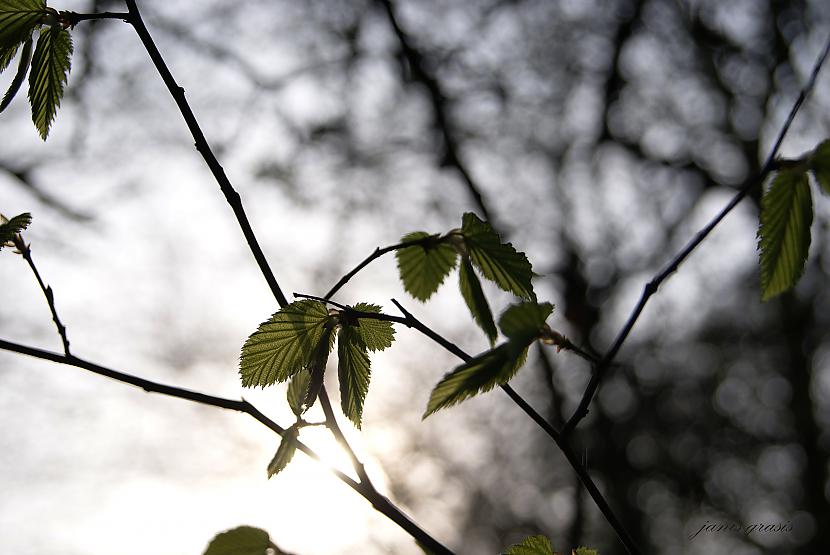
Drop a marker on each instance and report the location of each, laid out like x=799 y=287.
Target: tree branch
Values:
x=233 y=198
x=379 y=502
x=652 y=286
x=438 y=100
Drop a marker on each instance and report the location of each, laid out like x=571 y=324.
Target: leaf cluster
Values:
x=295 y=344
x=49 y=60
x=425 y=266
x=10 y=228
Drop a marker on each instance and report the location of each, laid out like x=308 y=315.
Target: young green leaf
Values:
x=478 y=375
x=784 y=233
x=585 y=551
x=533 y=545
x=7 y=55
x=244 y=540
x=10 y=228
x=524 y=320
x=19 y=77
x=283 y=344
x=820 y=166
x=424 y=268
x=297 y=391
x=376 y=334
x=499 y=262
x=18 y=19
x=51 y=63
x=285 y=452
x=476 y=301
x=354 y=372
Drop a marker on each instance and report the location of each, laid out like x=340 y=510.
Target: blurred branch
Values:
x=26 y=252
x=24 y=179
x=440 y=107
x=652 y=286
x=204 y=149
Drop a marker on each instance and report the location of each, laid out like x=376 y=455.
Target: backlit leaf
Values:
x=7 y=55
x=784 y=233
x=478 y=375
x=476 y=301
x=18 y=19
x=10 y=228
x=20 y=76
x=820 y=166
x=283 y=344
x=524 y=320
x=585 y=551
x=533 y=545
x=50 y=70
x=244 y=540
x=297 y=390
x=499 y=262
x=354 y=373
x=376 y=334
x=317 y=365
x=285 y=452
x=424 y=268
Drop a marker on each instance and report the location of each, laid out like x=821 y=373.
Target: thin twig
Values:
x=204 y=149
x=26 y=252
x=652 y=286
x=334 y=428
x=379 y=502
x=73 y=18
x=378 y=252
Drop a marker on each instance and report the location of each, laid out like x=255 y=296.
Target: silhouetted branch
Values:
x=652 y=286
x=26 y=252
x=233 y=198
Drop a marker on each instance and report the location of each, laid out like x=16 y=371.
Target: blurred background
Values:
x=597 y=135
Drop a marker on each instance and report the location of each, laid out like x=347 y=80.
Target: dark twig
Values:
x=26 y=252
x=379 y=502
x=334 y=428
x=233 y=198
x=375 y=255
x=72 y=18
x=652 y=286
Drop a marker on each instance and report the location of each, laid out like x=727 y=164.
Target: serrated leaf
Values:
x=7 y=55
x=245 y=540
x=424 y=268
x=51 y=63
x=10 y=228
x=533 y=545
x=376 y=334
x=585 y=551
x=354 y=372
x=499 y=262
x=820 y=166
x=317 y=364
x=478 y=375
x=524 y=320
x=285 y=452
x=784 y=232
x=283 y=344
x=18 y=19
x=19 y=77
x=297 y=390
x=476 y=301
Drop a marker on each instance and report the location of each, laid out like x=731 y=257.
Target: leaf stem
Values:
x=378 y=252
x=26 y=252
